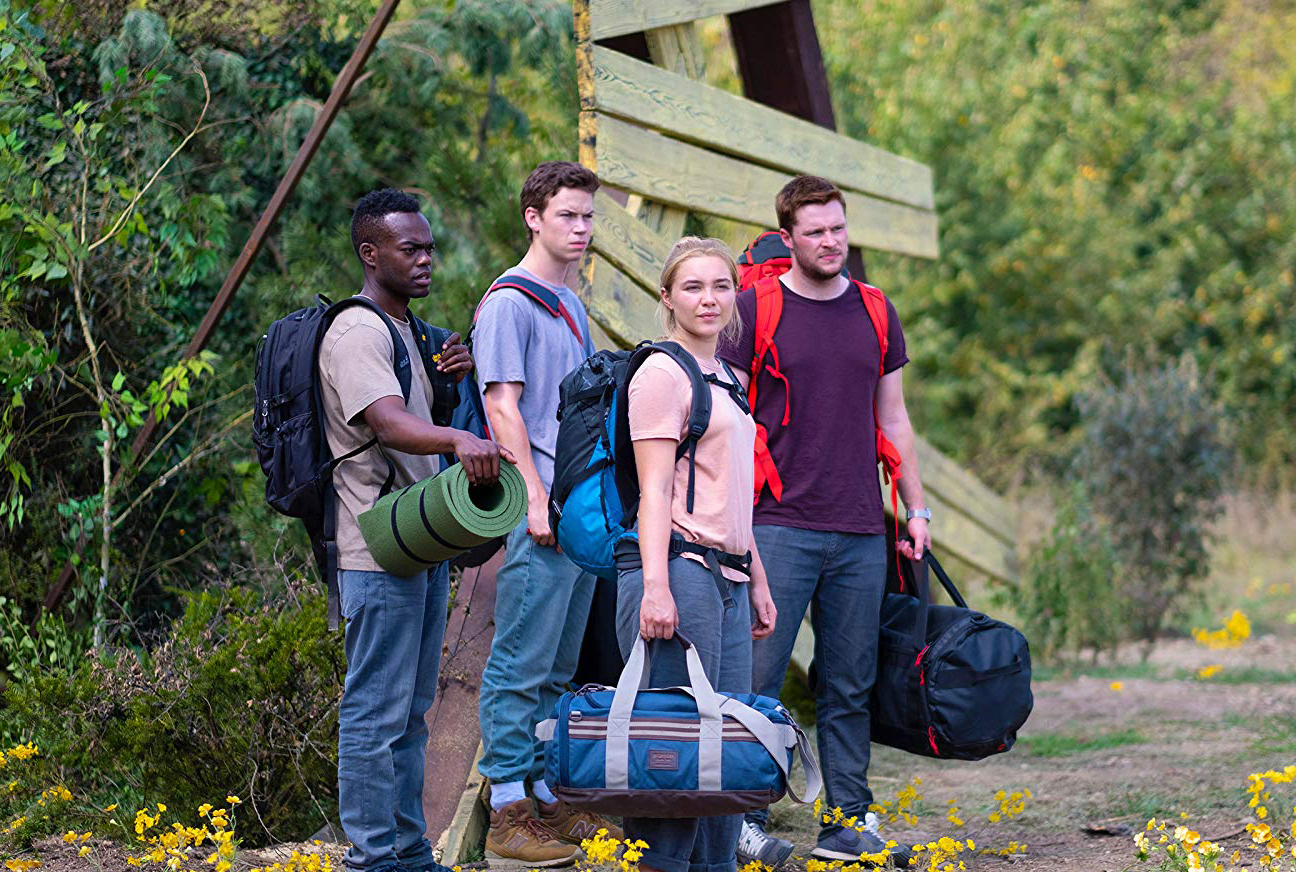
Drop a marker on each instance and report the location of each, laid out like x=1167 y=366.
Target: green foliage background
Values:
x=1114 y=183
x=1109 y=175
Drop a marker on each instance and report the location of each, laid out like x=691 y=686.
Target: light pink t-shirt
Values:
x=661 y=399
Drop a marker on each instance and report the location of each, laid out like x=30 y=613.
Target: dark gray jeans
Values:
x=720 y=627
x=841 y=577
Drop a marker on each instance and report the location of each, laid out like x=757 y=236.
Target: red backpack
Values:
x=759 y=268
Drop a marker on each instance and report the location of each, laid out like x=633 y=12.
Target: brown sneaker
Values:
x=516 y=834
x=573 y=825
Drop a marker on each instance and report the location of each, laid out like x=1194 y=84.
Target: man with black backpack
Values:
x=530 y=331
x=386 y=433
x=821 y=356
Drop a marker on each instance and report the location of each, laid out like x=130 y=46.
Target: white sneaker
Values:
x=754 y=844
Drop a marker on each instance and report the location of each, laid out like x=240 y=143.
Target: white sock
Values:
x=503 y=794
x=541 y=791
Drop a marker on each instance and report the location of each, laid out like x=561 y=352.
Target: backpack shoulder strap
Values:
x=736 y=392
x=699 y=412
x=769 y=310
x=542 y=296
x=445 y=388
x=876 y=305
x=400 y=354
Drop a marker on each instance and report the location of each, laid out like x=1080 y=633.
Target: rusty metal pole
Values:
x=341 y=90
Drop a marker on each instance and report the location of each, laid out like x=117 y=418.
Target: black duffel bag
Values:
x=951 y=682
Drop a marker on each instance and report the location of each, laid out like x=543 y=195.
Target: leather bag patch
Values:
x=662 y=759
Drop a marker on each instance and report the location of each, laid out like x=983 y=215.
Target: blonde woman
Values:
x=666 y=585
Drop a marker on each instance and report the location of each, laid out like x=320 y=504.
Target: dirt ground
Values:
x=1100 y=761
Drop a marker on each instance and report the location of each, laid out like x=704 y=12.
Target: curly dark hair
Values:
x=367 y=220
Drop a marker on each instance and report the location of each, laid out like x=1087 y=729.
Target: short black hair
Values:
x=367 y=219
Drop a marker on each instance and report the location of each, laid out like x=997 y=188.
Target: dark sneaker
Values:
x=517 y=834
x=754 y=844
x=850 y=846
x=573 y=825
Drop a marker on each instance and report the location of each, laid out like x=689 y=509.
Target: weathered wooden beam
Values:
x=628 y=244
x=960 y=487
x=780 y=61
x=699 y=113
x=616 y=303
x=612 y=18
x=678 y=49
x=683 y=175
x=781 y=64
x=454 y=732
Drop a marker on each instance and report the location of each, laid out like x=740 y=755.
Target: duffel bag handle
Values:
x=923 y=584
x=617 y=755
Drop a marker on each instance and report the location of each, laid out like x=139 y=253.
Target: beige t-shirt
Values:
x=355 y=365
x=661 y=399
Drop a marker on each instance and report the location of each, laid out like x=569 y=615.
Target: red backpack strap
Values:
x=769 y=309
x=544 y=297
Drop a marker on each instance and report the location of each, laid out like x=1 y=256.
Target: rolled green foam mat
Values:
x=440 y=517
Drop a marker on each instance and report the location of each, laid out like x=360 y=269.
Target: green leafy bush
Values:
x=240 y=697
x=1154 y=459
x=1070 y=597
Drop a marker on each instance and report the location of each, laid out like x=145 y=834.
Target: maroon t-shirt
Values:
x=827 y=453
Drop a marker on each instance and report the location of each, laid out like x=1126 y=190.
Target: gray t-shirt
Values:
x=515 y=340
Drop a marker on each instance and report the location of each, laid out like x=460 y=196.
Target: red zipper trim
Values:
x=922 y=670
x=931 y=738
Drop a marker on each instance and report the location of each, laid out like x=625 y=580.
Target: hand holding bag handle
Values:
x=617 y=756
x=918 y=568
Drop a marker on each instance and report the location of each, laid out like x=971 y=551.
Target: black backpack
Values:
x=951 y=682
x=288 y=419
x=595 y=494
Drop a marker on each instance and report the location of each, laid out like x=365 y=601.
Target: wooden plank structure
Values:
x=677 y=145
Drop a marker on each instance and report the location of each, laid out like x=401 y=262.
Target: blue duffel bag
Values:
x=675 y=751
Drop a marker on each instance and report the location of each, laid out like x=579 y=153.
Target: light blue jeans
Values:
x=542 y=601
x=719 y=625
x=394 y=630
x=841 y=577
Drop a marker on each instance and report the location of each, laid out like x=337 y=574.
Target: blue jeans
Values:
x=720 y=626
x=841 y=577
x=394 y=630
x=542 y=601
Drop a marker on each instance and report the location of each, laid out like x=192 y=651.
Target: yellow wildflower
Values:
x=1117 y=686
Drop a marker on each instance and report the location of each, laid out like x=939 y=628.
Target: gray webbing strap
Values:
x=777 y=738
x=616 y=760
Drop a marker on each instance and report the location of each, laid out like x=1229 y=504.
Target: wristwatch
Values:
x=910 y=514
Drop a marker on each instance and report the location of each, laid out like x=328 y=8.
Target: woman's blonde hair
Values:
x=687 y=248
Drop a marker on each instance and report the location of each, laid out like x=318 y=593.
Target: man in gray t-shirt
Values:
x=520 y=343
x=542 y=600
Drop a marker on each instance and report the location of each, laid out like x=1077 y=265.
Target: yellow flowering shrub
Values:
x=1236 y=630
x=1178 y=848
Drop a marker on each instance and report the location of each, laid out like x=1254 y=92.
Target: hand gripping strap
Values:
x=616 y=759
x=777 y=738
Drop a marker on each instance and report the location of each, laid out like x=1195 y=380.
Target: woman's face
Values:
x=702 y=296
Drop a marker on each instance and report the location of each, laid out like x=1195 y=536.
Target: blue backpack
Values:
x=595 y=495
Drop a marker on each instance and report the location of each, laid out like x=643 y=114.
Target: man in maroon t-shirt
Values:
x=823 y=542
